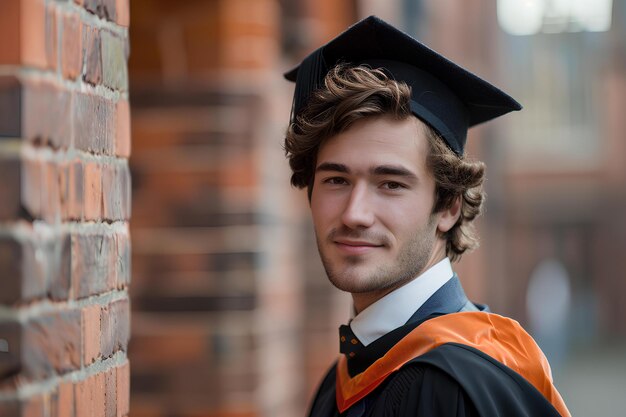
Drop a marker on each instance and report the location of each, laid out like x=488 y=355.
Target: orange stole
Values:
x=499 y=337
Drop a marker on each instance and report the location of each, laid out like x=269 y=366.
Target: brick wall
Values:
x=64 y=208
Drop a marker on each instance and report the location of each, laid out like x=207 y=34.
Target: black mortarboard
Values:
x=445 y=96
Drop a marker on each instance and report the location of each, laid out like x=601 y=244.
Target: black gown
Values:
x=452 y=379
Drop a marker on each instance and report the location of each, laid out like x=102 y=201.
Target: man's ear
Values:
x=449 y=216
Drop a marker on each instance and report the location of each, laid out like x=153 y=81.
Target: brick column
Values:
x=64 y=208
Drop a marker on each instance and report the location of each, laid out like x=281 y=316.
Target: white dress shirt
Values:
x=397 y=307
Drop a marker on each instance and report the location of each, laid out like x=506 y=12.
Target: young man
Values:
x=377 y=134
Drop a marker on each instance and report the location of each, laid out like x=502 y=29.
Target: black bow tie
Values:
x=349 y=344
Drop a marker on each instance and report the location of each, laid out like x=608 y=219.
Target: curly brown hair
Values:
x=351 y=93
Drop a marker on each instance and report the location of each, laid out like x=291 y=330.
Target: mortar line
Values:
x=68 y=154
x=33 y=388
x=23 y=314
x=93 y=19
x=77 y=85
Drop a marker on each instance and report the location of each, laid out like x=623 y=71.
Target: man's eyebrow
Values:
x=396 y=170
x=332 y=166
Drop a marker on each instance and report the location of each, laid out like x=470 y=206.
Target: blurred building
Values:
x=232 y=312
x=564 y=166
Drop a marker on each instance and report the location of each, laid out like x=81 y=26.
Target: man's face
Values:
x=371 y=204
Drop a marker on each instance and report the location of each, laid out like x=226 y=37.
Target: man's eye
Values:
x=335 y=181
x=392 y=185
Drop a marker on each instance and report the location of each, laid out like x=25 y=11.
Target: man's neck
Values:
x=397 y=307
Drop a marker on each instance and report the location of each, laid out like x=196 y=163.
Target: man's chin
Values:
x=354 y=274
x=354 y=283
x=350 y=287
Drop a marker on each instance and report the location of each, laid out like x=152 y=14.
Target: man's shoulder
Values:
x=492 y=387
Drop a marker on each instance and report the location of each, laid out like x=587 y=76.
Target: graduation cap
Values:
x=443 y=95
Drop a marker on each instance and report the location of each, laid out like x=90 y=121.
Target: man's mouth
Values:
x=356 y=247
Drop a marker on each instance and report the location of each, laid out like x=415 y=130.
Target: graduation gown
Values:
x=452 y=358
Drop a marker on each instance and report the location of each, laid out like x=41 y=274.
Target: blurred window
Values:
x=528 y=17
x=557 y=74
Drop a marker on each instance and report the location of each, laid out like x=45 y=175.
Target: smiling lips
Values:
x=356 y=247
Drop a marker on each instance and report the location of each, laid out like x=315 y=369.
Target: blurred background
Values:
x=232 y=312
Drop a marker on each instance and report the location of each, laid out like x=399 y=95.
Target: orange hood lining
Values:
x=499 y=337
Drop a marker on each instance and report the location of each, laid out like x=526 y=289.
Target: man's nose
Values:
x=358 y=212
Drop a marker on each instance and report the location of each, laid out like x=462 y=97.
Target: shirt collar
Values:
x=397 y=307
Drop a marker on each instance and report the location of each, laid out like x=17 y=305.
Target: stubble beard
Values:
x=358 y=274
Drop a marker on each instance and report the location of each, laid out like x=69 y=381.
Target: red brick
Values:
x=76 y=191
x=91 y=334
x=99 y=397
x=115 y=327
x=36 y=100
x=52 y=36
x=59 y=127
x=111 y=195
x=60 y=272
x=24 y=273
x=51 y=345
x=10 y=187
x=32 y=184
x=93 y=55
x=122 y=131
x=72 y=49
x=51 y=195
x=32 y=44
x=116 y=191
x=91 y=267
x=11 y=335
x=110 y=397
x=10 y=103
x=35 y=257
x=11 y=267
x=34 y=33
x=122 y=12
x=10 y=52
x=63 y=168
x=94 y=124
x=34 y=269
x=90 y=397
x=123 y=259
x=114 y=65
x=92 y=191
x=34 y=406
x=65 y=401
x=125 y=190
x=46 y=118
x=123 y=390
